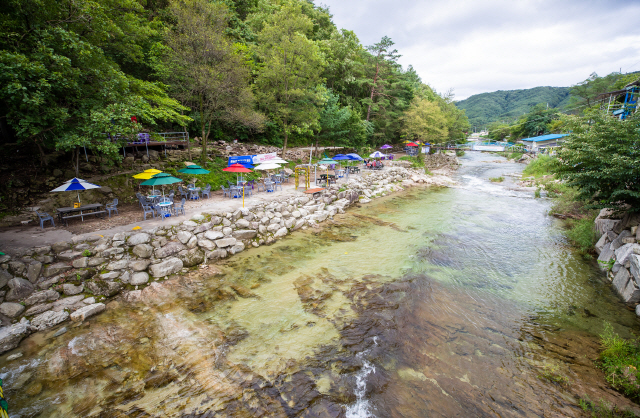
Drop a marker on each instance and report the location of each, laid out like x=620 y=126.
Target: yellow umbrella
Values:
x=147 y=174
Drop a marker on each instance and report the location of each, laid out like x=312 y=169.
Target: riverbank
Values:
x=447 y=297
x=48 y=285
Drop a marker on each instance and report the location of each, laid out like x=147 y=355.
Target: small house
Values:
x=537 y=143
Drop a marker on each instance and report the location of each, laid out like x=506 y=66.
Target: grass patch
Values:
x=511 y=155
x=497 y=179
x=603 y=409
x=416 y=162
x=544 y=165
x=582 y=234
x=459 y=153
x=620 y=360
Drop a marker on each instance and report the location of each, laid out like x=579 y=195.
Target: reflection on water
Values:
x=431 y=303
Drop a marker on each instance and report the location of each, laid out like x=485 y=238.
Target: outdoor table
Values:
x=80 y=212
x=315 y=192
x=340 y=173
x=332 y=178
x=269 y=185
x=193 y=189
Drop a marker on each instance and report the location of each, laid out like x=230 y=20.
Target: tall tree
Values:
x=290 y=71
x=424 y=120
x=383 y=59
x=333 y=120
x=585 y=92
x=205 y=70
x=69 y=73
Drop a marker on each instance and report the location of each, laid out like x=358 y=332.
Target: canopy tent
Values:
x=75 y=185
x=146 y=174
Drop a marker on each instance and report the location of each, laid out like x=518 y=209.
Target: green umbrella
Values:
x=160 y=179
x=193 y=169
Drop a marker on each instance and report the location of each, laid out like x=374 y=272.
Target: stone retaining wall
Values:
x=619 y=253
x=44 y=286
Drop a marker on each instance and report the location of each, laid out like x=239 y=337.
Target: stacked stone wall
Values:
x=44 y=286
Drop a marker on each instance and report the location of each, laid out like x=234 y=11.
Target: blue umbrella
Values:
x=355 y=157
x=341 y=157
x=75 y=185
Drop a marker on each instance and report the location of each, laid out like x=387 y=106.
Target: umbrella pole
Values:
x=79 y=197
x=242 y=196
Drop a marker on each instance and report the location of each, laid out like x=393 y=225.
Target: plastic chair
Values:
x=194 y=195
x=180 y=208
x=163 y=211
x=259 y=185
x=277 y=183
x=183 y=192
x=44 y=216
x=113 y=206
x=225 y=191
x=171 y=196
x=148 y=209
x=139 y=196
x=269 y=186
x=207 y=191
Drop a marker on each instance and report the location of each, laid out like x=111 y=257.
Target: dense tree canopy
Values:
x=602 y=159
x=273 y=71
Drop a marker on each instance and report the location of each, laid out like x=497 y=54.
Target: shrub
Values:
x=542 y=166
x=603 y=409
x=582 y=234
x=620 y=360
x=497 y=179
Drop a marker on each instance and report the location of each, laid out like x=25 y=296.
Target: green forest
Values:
x=507 y=105
x=544 y=118
x=275 y=72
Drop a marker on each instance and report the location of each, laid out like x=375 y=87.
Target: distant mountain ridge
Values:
x=507 y=105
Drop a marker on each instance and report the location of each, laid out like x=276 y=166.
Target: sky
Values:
x=477 y=46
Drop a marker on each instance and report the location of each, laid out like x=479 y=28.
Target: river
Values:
x=465 y=301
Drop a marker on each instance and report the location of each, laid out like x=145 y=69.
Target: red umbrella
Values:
x=411 y=144
x=238 y=168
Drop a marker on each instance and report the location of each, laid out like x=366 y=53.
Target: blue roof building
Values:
x=543 y=141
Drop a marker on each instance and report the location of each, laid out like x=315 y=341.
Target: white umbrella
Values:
x=267 y=166
x=75 y=185
x=377 y=154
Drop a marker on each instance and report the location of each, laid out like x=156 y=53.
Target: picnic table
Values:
x=64 y=214
x=331 y=177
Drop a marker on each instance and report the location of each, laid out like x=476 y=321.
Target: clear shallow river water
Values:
x=449 y=302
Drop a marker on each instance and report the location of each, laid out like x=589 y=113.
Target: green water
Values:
x=448 y=302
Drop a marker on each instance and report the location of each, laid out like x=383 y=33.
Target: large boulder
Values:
x=20 y=289
x=5 y=276
x=11 y=336
x=139 y=265
x=60 y=246
x=48 y=319
x=139 y=278
x=143 y=250
x=17 y=268
x=70 y=289
x=192 y=257
x=11 y=309
x=621 y=280
x=631 y=292
x=118 y=265
x=606 y=255
x=184 y=236
x=624 y=252
x=206 y=244
x=136 y=239
x=104 y=287
x=170 y=249
x=41 y=297
x=169 y=266
x=213 y=235
x=244 y=234
x=55 y=269
x=226 y=242
x=87 y=311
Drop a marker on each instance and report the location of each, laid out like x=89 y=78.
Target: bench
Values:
x=81 y=215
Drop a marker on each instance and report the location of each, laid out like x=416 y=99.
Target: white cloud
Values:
x=480 y=46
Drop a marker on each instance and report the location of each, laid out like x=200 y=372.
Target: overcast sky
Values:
x=476 y=46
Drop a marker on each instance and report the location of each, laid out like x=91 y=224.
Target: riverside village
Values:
x=241 y=209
